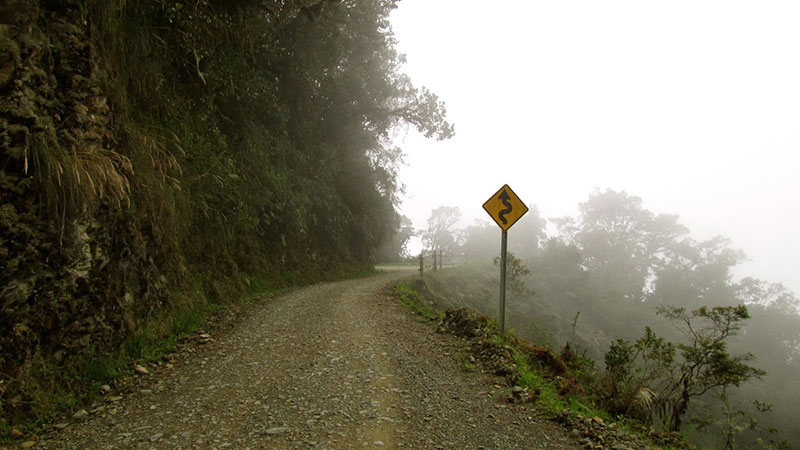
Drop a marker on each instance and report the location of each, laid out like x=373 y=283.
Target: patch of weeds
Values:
x=188 y=320
x=409 y=298
x=98 y=369
x=466 y=360
x=136 y=346
x=258 y=286
x=369 y=272
x=51 y=403
x=530 y=377
x=146 y=346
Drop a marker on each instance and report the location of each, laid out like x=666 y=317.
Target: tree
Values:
x=481 y=240
x=736 y=419
x=770 y=295
x=338 y=97
x=773 y=333
x=775 y=327
x=395 y=249
x=527 y=234
x=696 y=273
x=515 y=271
x=562 y=283
x=621 y=243
x=704 y=364
x=631 y=367
x=441 y=234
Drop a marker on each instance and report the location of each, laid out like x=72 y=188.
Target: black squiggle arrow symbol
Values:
x=502 y=214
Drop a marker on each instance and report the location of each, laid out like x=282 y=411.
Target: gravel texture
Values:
x=335 y=365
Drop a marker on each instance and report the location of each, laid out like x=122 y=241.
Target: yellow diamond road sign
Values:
x=505 y=207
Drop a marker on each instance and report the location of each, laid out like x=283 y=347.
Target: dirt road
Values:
x=334 y=365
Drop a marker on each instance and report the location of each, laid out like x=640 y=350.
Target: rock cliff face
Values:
x=160 y=156
x=75 y=272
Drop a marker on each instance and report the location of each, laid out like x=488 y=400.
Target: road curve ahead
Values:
x=331 y=366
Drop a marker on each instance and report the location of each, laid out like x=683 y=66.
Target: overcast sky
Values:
x=694 y=106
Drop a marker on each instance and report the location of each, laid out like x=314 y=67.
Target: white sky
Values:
x=694 y=106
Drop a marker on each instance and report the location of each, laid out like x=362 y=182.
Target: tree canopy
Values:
x=441 y=231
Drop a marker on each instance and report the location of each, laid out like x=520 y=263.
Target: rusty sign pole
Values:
x=503 y=251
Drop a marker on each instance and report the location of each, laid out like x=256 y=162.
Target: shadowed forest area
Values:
x=162 y=158
x=637 y=301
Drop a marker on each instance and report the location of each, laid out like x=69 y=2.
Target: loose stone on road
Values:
x=335 y=365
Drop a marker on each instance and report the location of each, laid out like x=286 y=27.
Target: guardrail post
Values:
x=421 y=263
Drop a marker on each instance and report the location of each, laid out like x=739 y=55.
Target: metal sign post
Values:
x=506 y=209
x=503 y=247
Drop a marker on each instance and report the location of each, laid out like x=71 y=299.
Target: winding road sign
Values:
x=505 y=207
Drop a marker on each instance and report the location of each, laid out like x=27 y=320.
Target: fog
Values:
x=692 y=106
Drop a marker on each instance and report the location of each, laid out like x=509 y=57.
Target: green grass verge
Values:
x=528 y=376
x=526 y=372
x=409 y=298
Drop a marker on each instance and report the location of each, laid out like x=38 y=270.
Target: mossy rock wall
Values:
x=161 y=157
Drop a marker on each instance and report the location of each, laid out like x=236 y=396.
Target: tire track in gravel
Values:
x=335 y=365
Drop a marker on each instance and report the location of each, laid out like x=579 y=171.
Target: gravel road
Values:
x=334 y=365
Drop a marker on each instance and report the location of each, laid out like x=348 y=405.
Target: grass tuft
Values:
x=70 y=180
